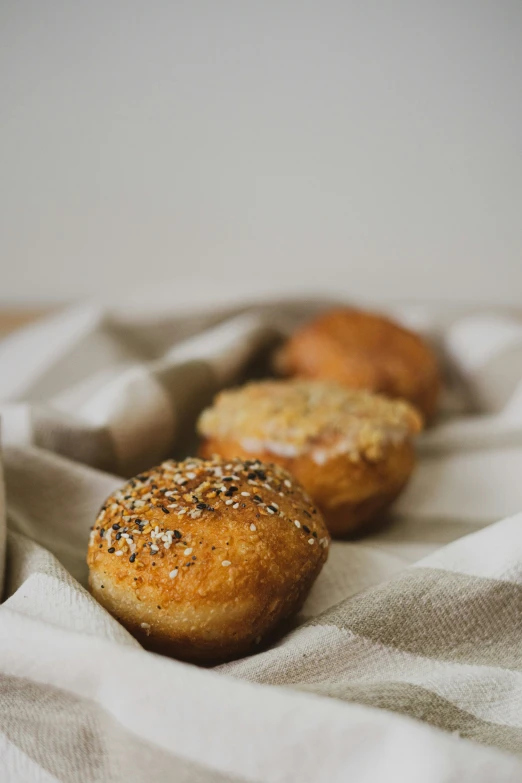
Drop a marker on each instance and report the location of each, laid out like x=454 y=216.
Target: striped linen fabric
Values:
x=405 y=662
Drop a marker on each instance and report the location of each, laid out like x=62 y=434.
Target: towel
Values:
x=405 y=663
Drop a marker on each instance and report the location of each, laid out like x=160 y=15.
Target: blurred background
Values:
x=180 y=150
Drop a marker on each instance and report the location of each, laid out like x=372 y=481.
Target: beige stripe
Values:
x=439 y=614
x=351 y=568
x=73 y=438
x=74 y=739
x=422 y=704
x=325 y=654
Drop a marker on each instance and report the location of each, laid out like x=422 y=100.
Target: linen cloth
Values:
x=405 y=663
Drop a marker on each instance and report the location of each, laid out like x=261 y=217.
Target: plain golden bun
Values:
x=204 y=559
x=351 y=450
x=365 y=351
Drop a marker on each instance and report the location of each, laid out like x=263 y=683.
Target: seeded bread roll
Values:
x=204 y=559
x=351 y=450
x=365 y=351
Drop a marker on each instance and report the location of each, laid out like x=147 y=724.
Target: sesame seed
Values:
x=145 y=625
x=190 y=475
x=287 y=483
x=228 y=502
x=253 y=527
x=177 y=534
x=115 y=526
x=119 y=553
x=306 y=529
x=236 y=505
x=173 y=573
x=230 y=491
x=154 y=548
x=132 y=558
x=311 y=540
x=188 y=551
x=246 y=494
x=226 y=563
x=202 y=506
x=297 y=523
x=271 y=509
x=111 y=550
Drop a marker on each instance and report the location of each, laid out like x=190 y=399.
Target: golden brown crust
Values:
x=365 y=351
x=211 y=557
x=348 y=493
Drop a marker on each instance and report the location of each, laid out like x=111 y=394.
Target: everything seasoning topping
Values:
x=135 y=517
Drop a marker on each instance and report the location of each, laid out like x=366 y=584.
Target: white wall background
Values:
x=374 y=147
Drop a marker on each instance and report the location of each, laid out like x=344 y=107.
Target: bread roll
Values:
x=203 y=560
x=365 y=351
x=352 y=451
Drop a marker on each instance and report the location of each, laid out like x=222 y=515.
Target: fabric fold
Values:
x=405 y=662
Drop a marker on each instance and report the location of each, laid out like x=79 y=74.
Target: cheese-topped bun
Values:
x=351 y=450
x=204 y=559
x=365 y=351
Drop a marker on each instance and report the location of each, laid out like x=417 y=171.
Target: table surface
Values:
x=11 y=318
